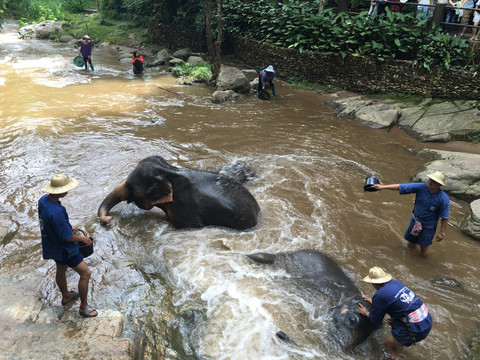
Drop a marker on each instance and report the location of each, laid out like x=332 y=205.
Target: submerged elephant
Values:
x=190 y=198
x=317 y=272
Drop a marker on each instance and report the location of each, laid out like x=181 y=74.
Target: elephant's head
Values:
x=147 y=186
x=349 y=327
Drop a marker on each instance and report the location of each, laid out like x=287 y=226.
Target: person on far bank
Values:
x=267 y=75
x=409 y=317
x=137 y=62
x=431 y=204
x=86 y=51
x=60 y=242
x=467 y=7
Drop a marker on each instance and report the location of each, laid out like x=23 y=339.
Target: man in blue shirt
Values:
x=60 y=243
x=409 y=317
x=431 y=204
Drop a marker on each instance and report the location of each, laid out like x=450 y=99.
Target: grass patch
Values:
x=112 y=31
x=299 y=83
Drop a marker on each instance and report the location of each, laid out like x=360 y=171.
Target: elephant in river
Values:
x=190 y=198
x=315 y=272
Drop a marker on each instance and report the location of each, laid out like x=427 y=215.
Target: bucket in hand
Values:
x=369 y=182
x=85 y=250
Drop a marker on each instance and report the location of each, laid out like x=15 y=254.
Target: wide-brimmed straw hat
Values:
x=269 y=69
x=376 y=275
x=438 y=177
x=60 y=183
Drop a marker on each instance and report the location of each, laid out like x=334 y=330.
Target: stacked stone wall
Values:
x=360 y=74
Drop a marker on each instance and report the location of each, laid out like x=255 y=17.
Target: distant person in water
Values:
x=267 y=75
x=137 y=62
x=86 y=51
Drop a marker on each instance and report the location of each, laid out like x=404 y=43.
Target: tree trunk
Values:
x=214 y=50
x=99 y=12
x=321 y=5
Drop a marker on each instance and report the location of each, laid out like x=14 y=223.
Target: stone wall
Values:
x=359 y=74
x=176 y=37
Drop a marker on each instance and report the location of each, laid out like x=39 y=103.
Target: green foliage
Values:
x=393 y=36
x=74 y=6
x=198 y=72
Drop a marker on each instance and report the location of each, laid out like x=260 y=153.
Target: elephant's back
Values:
x=322 y=272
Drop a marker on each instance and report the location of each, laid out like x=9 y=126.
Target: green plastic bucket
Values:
x=78 y=60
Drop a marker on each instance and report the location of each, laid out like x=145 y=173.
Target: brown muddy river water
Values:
x=310 y=165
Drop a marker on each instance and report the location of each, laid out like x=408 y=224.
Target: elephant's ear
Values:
x=158 y=188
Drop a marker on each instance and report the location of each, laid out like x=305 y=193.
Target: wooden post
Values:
x=438 y=15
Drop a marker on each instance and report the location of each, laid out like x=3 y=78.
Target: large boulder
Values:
x=471 y=224
x=368 y=112
x=42 y=30
x=461 y=170
x=233 y=79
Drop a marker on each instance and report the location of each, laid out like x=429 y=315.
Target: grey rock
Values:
x=182 y=54
x=471 y=224
x=42 y=30
x=222 y=96
x=233 y=79
x=461 y=170
x=368 y=112
x=175 y=61
x=196 y=60
x=250 y=74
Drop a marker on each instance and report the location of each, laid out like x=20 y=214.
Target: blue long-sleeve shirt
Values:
x=396 y=300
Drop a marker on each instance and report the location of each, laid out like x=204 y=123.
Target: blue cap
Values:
x=269 y=68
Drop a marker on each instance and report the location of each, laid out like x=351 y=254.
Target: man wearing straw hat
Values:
x=431 y=204
x=409 y=317
x=61 y=244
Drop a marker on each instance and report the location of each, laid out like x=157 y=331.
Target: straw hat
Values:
x=269 y=69
x=376 y=275
x=60 y=184
x=86 y=37
x=438 y=177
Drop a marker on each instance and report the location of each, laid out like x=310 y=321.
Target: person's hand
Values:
x=362 y=310
x=368 y=299
x=87 y=240
x=377 y=187
x=440 y=236
x=389 y=321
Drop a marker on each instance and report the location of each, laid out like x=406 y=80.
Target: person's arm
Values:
x=80 y=238
x=443 y=228
x=462 y=3
x=386 y=186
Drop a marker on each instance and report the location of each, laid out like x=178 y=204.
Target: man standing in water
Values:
x=61 y=244
x=431 y=204
x=409 y=317
x=86 y=51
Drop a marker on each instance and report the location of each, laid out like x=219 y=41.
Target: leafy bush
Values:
x=198 y=72
x=74 y=6
x=393 y=36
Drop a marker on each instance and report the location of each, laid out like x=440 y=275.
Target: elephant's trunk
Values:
x=119 y=194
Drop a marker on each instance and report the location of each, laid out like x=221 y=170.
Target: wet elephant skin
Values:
x=318 y=272
x=200 y=198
